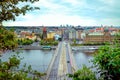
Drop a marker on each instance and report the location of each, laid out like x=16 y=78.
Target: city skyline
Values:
x=73 y=12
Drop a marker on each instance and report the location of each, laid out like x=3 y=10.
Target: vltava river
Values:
x=83 y=58
x=38 y=59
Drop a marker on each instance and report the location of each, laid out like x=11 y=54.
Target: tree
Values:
x=9 y=70
x=107 y=62
x=74 y=41
x=7 y=39
x=83 y=74
x=9 y=9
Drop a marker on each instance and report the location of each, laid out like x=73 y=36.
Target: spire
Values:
x=44 y=29
x=44 y=33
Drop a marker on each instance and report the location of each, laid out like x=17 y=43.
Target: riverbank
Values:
x=85 y=48
x=29 y=47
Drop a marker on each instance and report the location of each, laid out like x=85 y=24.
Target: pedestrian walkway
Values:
x=62 y=69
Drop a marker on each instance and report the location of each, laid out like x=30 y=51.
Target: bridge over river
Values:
x=56 y=63
x=62 y=63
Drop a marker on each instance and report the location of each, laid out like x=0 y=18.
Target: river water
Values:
x=39 y=59
x=83 y=58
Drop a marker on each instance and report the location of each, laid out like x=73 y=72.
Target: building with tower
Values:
x=44 y=34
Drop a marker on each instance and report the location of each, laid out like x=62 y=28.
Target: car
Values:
x=68 y=61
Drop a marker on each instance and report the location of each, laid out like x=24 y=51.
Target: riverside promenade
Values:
x=62 y=63
x=30 y=47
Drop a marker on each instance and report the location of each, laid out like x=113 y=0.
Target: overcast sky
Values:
x=72 y=12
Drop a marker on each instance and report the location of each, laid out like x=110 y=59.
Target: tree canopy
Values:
x=9 y=70
x=9 y=9
x=7 y=39
x=83 y=74
x=107 y=60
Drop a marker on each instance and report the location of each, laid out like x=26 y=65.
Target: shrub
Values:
x=83 y=74
x=107 y=60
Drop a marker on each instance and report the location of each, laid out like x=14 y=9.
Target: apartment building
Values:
x=100 y=36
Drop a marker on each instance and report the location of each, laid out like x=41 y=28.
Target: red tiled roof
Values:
x=112 y=29
x=99 y=29
x=92 y=30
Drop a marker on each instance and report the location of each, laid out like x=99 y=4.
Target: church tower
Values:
x=107 y=35
x=44 y=33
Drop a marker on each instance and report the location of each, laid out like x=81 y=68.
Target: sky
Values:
x=71 y=12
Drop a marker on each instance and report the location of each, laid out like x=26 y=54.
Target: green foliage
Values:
x=94 y=43
x=9 y=9
x=107 y=60
x=25 y=42
x=74 y=41
x=9 y=70
x=76 y=44
x=83 y=74
x=117 y=39
x=7 y=39
x=48 y=42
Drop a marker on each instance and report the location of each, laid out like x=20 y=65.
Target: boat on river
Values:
x=46 y=47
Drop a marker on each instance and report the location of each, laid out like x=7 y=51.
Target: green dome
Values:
x=106 y=29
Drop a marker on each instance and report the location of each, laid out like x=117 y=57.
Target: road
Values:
x=62 y=63
x=54 y=69
x=68 y=61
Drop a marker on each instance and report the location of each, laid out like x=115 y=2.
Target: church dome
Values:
x=106 y=29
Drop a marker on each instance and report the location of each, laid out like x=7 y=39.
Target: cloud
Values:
x=110 y=21
x=55 y=20
x=75 y=2
x=109 y=2
x=74 y=12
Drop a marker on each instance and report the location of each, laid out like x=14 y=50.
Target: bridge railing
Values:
x=51 y=63
x=72 y=60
